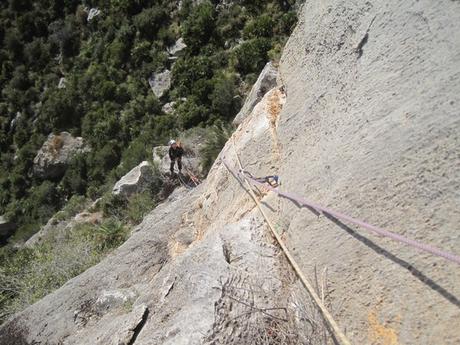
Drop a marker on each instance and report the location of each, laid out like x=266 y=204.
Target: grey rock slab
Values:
x=160 y=82
x=55 y=153
x=92 y=13
x=265 y=82
x=177 y=47
x=135 y=181
x=62 y=83
x=370 y=129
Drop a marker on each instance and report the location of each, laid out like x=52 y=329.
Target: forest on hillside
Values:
x=106 y=60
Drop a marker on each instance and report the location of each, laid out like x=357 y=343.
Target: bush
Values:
x=191 y=114
x=199 y=26
x=259 y=27
x=188 y=71
x=75 y=178
x=139 y=205
x=225 y=98
x=150 y=20
x=76 y=204
x=28 y=274
x=251 y=56
x=218 y=135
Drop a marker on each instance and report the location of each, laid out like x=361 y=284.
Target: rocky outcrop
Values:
x=160 y=83
x=62 y=83
x=265 y=82
x=178 y=47
x=92 y=13
x=53 y=157
x=56 y=227
x=366 y=124
x=161 y=158
x=168 y=108
x=137 y=180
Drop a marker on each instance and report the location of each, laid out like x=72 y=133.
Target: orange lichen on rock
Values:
x=380 y=334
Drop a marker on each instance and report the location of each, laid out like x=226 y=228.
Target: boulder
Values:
x=137 y=180
x=160 y=82
x=265 y=82
x=57 y=227
x=53 y=157
x=94 y=12
x=62 y=83
x=177 y=47
x=161 y=158
x=14 y=121
x=168 y=108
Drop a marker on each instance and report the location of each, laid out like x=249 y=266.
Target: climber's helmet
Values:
x=172 y=143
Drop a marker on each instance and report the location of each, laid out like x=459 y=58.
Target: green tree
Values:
x=199 y=26
x=225 y=99
x=150 y=20
x=252 y=55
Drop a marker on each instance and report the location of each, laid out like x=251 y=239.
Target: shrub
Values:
x=150 y=20
x=188 y=71
x=191 y=114
x=225 y=98
x=113 y=205
x=251 y=56
x=138 y=206
x=198 y=28
x=218 y=135
x=28 y=274
x=110 y=234
x=259 y=27
x=75 y=178
x=75 y=205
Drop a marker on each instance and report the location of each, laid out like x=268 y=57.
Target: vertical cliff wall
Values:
x=371 y=127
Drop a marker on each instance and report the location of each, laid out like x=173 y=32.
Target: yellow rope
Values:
x=339 y=335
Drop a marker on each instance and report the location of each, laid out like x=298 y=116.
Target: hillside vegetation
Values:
x=106 y=62
x=62 y=70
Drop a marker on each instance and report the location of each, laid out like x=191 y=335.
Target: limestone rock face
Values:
x=135 y=181
x=265 y=82
x=365 y=123
x=53 y=157
x=160 y=83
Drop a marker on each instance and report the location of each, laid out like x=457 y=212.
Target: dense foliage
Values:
x=106 y=63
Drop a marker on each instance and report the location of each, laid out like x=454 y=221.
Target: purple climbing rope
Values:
x=301 y=201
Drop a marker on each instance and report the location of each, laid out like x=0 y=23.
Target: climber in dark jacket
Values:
x=175 y=153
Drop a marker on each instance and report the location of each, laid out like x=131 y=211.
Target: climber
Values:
x=175 y=153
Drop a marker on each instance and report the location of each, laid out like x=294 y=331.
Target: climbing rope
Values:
x=421 y=246
x=339 y=335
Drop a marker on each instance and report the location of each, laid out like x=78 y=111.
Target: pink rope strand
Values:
x=375 y=229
